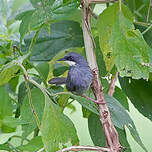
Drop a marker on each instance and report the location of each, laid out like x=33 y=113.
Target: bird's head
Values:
x=73 y=58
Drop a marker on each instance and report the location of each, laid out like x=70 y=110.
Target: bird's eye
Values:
x=70 y=58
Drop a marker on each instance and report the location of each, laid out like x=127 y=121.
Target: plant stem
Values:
x=33 y=42
x=26 y=77
x=102 y=1
x=148 y=28
x=112 y=85
x=149 y=8
x=84 y=148
x=120 y=5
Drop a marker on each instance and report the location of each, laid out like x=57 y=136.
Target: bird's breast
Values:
x=79 y=79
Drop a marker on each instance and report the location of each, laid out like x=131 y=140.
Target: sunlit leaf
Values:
x=130 y=50
x=60 y=131
x=106 y=21
x=26 y=111
x=12 y=122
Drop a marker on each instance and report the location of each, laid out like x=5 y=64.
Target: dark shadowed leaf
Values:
x=26 y=111
x=147 y=36
x=121 y=97
x=139 y=93
x=97 y=135
x=60 y=131
x=64 y=35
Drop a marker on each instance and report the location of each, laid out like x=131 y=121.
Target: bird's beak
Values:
x=62 y=59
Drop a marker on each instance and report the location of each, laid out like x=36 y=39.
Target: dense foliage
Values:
x=34 y=34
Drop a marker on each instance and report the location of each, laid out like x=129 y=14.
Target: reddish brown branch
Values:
x=85 y=148
x=109 y=130
x=112 y=85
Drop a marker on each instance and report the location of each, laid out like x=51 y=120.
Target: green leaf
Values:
x=91 y=106
x=33 y=146
x=100 y=60
x=97 y=135
x=96 y=131
x=64 y=35
x=45 y=13
x=57 y=129
x=13 y=122
x=26 y=21
x=6 y=107
x=139 y=8
x=123 y=139
x=11 y=69
x=121 y=97
x=129 y=49
x=8 y=71
x=119 y=116
x=59 y=69
x=139 y=93
x=26 y=111
x=43 y=69
x=5 y=146
x=105 y=23
x=86 y=113
x=147 y=36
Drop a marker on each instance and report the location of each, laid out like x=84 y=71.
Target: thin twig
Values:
x=33 y=42
x=83 y=148
x=120 y=5
x=148 y=28
x=112 y=85
x=102 y=1
x=40 y=150
x=142 y=23
x=149 y=9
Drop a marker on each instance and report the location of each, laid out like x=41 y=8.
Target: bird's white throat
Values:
x=71 y=63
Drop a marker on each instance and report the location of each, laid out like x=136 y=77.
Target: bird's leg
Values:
x=95 y=101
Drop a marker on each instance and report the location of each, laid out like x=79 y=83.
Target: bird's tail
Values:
x=57 y=81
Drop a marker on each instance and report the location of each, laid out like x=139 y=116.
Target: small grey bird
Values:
x=79 y=76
